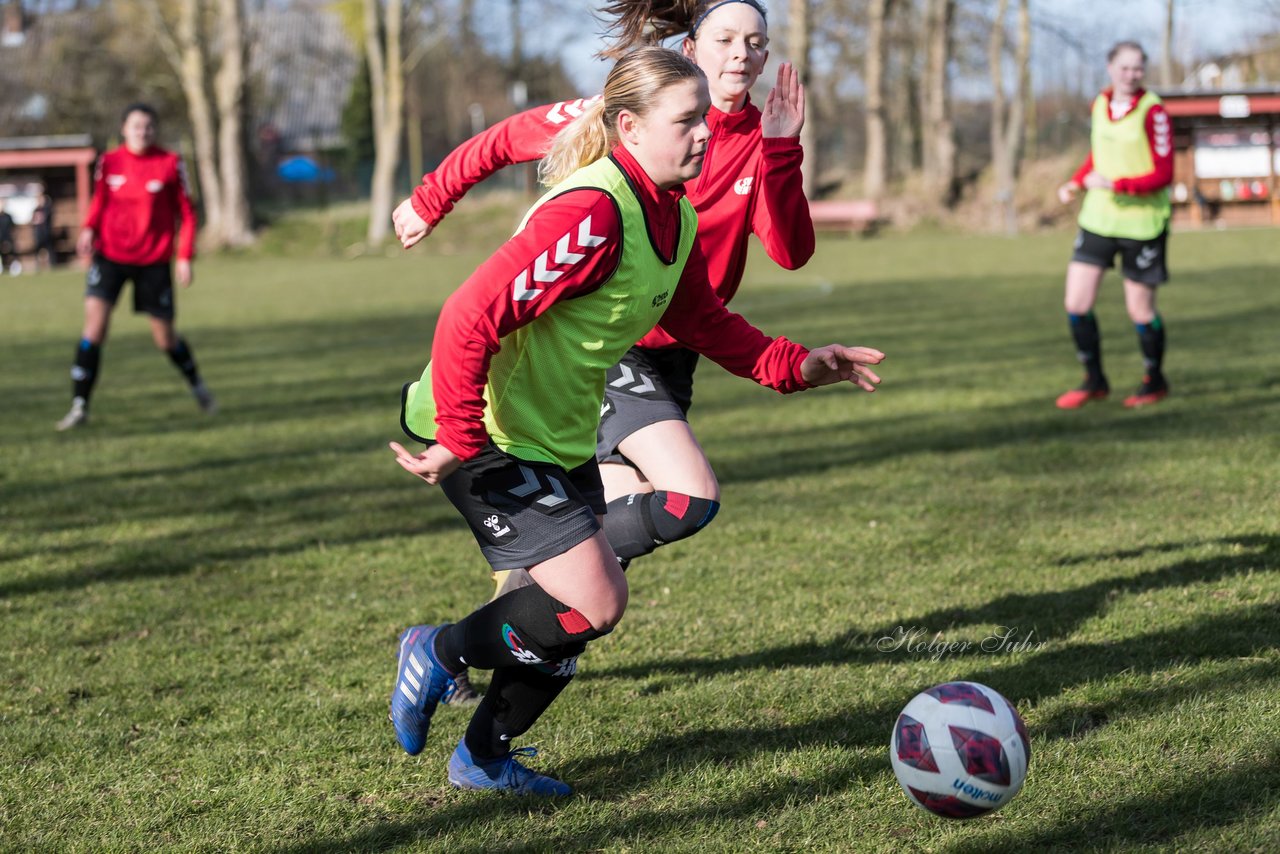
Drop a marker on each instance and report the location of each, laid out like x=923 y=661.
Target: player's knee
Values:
x=677 y=516
x=605 y=613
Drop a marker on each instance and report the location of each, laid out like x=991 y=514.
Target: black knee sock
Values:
x=84 y=370
x=638 y=524
x=525 y=626
x=516 y=698
x=1084 y=331
x=1151 y=340
x=182 y=358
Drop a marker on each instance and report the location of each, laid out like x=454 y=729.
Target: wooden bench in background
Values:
x=860 y=216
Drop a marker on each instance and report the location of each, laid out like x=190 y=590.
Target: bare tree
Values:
x=938 y=152
x=876 y=165
x=216 y=124
x=382 y=40
x=1166 y=62
x=800 y=26
x=1007 y=115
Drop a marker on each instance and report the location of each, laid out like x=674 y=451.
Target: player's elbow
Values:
x=796 y=258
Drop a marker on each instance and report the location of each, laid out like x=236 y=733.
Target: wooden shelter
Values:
x=1226 y=168
x=58 y=165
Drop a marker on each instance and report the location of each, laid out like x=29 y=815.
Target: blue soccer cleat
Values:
x=420 y=683
x=504 y=774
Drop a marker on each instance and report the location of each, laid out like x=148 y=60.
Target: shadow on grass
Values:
x=1052 y=615
x=1196 y=803
x=616 y=776
x=1028 y=424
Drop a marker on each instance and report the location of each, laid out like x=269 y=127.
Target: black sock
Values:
x=1084 y=330
x=516 y=698
x=525 y=626
x=182 y=358
x=1151 y=340
x=84 y=370
x=638 y=524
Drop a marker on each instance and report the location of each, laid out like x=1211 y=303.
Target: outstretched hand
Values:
x=783 y=114
x=838 y=363
x=432 y=465
x=1097 y=181
x=410 y=228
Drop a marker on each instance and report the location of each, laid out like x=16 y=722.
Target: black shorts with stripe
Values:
x=1142 y=261
x=521 y=512
x=645 y=387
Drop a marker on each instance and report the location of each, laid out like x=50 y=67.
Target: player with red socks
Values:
x=659 y=484
x=510 y=402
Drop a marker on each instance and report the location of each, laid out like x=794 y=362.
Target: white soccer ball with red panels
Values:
x=960 y=750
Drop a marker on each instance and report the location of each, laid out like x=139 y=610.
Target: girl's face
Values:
x=671 y=139
x=1127 y=71
x=731 y=49
x=138 y=131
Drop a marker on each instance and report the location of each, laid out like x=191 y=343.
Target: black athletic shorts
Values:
x=1141 y=261
x=152 y=285
x=523 y=513
x=646 y=387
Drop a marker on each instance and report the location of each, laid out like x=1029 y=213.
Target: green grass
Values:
x=198 y=615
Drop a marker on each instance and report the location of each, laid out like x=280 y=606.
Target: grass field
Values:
x=199 y=615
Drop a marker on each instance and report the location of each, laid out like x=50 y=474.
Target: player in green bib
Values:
x=1125 y=211
x=509 y=404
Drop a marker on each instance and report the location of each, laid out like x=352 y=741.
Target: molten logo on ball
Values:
x=960 y=750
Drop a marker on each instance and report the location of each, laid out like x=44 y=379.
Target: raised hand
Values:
x=783 y=114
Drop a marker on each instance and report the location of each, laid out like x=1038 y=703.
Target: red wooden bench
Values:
x=849 y=215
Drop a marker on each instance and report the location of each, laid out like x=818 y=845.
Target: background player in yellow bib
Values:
x=1126 y=210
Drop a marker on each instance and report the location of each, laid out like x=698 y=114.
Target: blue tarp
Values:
x=303 y=170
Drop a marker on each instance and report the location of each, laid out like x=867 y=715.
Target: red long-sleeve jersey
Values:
x=748 y=185
x=493 y=302
x=137 y=201
x=1159 y=137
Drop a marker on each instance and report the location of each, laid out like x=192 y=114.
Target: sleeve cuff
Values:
x=779 y=144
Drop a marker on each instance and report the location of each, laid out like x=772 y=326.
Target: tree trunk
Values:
x=939 y=145
x=386 y=78
x=801 y=25
x=192 y=71
x=876 y=165
x=1007 y=128
x=1166 y=63
x=229 y=89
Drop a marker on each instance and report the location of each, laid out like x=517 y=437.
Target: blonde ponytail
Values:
x=584 y=141
x=634 y=84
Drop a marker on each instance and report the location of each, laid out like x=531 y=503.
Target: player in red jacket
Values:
x=658 y=481
x=139 y=199
x=508 y=406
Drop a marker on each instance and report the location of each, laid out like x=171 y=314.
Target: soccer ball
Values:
x=960 y=750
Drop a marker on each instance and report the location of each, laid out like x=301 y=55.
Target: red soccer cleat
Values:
x=1148 y=393
x=1078 y=397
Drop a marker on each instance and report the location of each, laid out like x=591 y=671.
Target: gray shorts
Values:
x=523 y=513
x=646 y=387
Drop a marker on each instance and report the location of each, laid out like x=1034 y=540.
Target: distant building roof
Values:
x=1228 y=104
x=30 y=143
x=306 y=63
